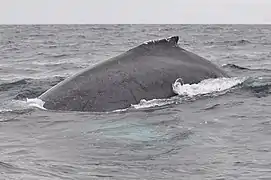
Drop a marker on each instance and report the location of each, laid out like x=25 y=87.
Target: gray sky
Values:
x=135 y=11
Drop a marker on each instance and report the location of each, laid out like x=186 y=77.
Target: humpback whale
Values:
x=143 y=72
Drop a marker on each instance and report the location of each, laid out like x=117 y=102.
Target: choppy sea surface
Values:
x=217 y=129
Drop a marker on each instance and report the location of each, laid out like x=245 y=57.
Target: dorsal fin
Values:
x=173 y=40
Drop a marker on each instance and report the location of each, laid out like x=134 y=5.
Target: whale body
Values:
x=144 y=72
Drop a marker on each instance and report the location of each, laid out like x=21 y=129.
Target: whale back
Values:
x=144 y=72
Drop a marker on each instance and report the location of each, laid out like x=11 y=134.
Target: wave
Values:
x=21 y=106
x=208 y=86
x=29 y=88
x=59 y=55
x=259 y=87
x=188 y=92
x=234 y=66
x=143 y=104
x=229 y=42
x=8 y=86
x=237 y=67
x=35 y=102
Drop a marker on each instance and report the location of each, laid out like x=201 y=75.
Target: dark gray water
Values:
x=225 y=136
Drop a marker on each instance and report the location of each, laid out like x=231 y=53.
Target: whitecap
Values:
x=207 y=86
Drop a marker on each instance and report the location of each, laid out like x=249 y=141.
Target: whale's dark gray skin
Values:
x=144 y=72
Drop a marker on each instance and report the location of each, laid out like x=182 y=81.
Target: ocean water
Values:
x=217 y=129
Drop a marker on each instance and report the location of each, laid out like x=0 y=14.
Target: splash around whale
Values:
x=144 y=72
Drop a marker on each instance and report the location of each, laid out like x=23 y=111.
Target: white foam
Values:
x=206 y=86
x=35 y=102
x=22 y=104
x=5 y=110
x=121 y=110
x=152 y=103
